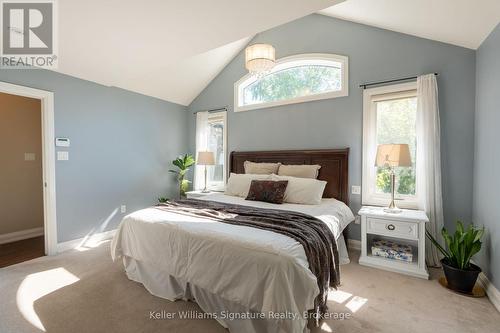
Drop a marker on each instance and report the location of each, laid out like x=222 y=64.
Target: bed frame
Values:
x=334 y=166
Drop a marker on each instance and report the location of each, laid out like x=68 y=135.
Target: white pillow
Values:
x=261 y=168
x=305 y=191
x=238 y=184
x=301 y=171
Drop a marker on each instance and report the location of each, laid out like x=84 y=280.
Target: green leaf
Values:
x=178 y=163
x=462 y=246
x=183 y=163
x=436 y=244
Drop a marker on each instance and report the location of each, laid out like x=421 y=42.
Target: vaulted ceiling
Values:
x=460 y=22
x=168 y=49
x=172 y=49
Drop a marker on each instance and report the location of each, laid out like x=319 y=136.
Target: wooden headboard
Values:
x=334 y=165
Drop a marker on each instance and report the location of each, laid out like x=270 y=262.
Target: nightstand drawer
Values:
x=407 y=230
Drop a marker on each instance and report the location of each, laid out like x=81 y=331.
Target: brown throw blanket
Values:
x=314 y=235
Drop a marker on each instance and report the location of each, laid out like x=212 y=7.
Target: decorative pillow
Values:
x=301 y=171
x=302 y=190
x=238 y=184
x=261 y=168
x=267 y=190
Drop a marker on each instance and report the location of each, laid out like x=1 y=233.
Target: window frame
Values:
x=370 y=97
x=285 y=63
x=214 y=117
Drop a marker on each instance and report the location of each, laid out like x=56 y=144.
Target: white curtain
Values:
x=429 y=161
x=201 y=145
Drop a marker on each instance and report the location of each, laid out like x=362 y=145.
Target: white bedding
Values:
x=336 y=214
x=256 y=269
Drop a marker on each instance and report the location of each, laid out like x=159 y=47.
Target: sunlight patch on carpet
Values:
x=326 y=328
x=356 y=303
x=338 y=296
x=37 y=285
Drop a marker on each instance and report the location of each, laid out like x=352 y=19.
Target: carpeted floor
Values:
x=85 y=292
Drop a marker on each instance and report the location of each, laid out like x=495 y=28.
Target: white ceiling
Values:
x=460 y=22
x=182 y=81
x=168 y=49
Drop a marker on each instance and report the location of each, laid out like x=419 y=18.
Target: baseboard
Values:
x=20 y=235
x=354 y=244
x=491 y=291
x=86 y=241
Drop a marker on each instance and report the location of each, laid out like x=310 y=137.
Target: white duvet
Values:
x=257 y=269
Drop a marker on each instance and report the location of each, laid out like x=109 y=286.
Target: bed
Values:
x=237 y=273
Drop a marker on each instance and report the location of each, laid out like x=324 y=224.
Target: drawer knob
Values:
x=391 y=227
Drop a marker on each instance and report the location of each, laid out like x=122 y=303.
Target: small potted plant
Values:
x=461 y=274
x=183 y=163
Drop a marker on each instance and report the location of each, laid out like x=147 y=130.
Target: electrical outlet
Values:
x=62 y=156
x=355 y=189
x=357 y=219
x=123 y=209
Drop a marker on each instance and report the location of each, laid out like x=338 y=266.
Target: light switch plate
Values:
x=29 y=156
x=62 y=156
x=355 y=189
x=62 y=142
x=123 y=209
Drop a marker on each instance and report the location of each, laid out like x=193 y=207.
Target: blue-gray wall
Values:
x=374 y=54
x=121 y=147
x=487 y=153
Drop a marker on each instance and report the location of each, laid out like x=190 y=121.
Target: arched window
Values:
x=295 y=79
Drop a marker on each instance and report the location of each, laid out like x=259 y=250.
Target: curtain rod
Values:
x=224 y=108
x=364 y=85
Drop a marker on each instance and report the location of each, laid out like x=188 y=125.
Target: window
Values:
x=211 y=136
x=294 y=79
x=217 y=144
x=389 y=116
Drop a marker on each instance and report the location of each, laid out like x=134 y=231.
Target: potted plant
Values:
x=460 y=273
x=182 y=163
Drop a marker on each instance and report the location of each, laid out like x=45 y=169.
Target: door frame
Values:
x=48 y=158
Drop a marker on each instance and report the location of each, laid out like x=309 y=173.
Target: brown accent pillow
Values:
x=267 y=191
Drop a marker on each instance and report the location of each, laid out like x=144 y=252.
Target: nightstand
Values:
x=197 y=194
x=405 y=228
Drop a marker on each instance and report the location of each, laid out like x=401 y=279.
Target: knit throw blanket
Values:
x=317 y=239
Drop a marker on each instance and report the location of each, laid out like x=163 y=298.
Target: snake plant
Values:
x=460 y=246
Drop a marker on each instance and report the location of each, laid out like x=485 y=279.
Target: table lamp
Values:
x=205 y=158
x=391 y=156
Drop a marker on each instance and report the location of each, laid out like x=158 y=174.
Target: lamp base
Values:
x=205 y=191
x=393 y=210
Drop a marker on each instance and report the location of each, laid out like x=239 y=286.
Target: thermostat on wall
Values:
x=62 y=142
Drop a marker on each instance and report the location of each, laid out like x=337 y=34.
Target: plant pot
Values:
x=458 y=279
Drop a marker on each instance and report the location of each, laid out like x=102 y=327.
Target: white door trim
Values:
x=48 y=158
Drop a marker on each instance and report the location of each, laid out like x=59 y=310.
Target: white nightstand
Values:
x=197 y=194
x=407 y=227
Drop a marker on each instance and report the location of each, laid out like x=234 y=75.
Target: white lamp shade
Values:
x=393 y=155
x=205 y=158
x=259 y=58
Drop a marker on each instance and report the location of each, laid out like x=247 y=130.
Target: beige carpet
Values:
x=85 y=292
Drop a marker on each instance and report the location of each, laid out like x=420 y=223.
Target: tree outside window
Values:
x=396 y=123
x=292 y=83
